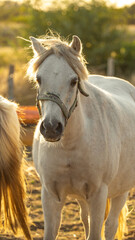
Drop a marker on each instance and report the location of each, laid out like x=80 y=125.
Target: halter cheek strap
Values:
x=55 y=98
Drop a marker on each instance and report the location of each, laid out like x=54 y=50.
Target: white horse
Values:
x=12 y=185
x=84 y=143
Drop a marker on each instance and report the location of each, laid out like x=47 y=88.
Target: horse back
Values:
x=115 y=86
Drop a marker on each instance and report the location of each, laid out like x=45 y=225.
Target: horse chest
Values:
x=73 y=173
x=63 y=166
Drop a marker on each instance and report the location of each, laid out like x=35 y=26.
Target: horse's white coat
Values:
x=95 y=158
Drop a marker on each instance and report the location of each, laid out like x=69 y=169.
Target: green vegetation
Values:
x=104 y=30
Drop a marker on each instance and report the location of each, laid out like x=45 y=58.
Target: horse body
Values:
x=95 y=153
x=122 y=95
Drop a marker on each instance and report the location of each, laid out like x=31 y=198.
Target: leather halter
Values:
x=55 y=98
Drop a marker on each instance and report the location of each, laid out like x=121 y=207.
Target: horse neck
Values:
x=74 y=128
x=91 y=108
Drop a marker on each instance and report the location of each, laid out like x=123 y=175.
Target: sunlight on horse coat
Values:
x=12 y=185
x=90 y=154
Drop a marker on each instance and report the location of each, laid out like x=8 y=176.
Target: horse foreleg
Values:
x=97 y=205
x=111 y=224
x=52 y=215
x=85 y=215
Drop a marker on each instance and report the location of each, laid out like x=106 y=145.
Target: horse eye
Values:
x=38 y=79
x=74 y=81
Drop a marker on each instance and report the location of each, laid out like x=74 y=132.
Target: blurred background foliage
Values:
x=105 y=30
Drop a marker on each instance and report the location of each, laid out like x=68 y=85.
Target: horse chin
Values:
x=52 y=139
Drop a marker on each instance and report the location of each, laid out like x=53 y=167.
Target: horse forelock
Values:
x=60 y=48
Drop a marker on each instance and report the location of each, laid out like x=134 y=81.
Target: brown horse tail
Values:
x=12 y=184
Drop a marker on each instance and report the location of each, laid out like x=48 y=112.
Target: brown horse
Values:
x=12 y=185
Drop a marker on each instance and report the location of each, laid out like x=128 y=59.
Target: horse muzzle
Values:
x=51 y=131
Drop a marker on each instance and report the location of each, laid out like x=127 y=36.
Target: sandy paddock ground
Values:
x=71 y=226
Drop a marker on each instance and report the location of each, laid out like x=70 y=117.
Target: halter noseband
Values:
x=55 y=98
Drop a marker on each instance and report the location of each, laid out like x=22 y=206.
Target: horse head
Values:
x=58 y=83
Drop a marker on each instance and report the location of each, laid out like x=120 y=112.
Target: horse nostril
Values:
x=58 y=128
x=42 y=127
x=43 y=124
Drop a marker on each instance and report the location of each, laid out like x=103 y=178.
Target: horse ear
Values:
x=76 y=44
x=37 y=46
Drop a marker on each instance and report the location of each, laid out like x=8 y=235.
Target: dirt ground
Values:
x=71 y=227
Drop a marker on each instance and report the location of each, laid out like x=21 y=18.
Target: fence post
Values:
x=11 y=82
x=110 y=67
